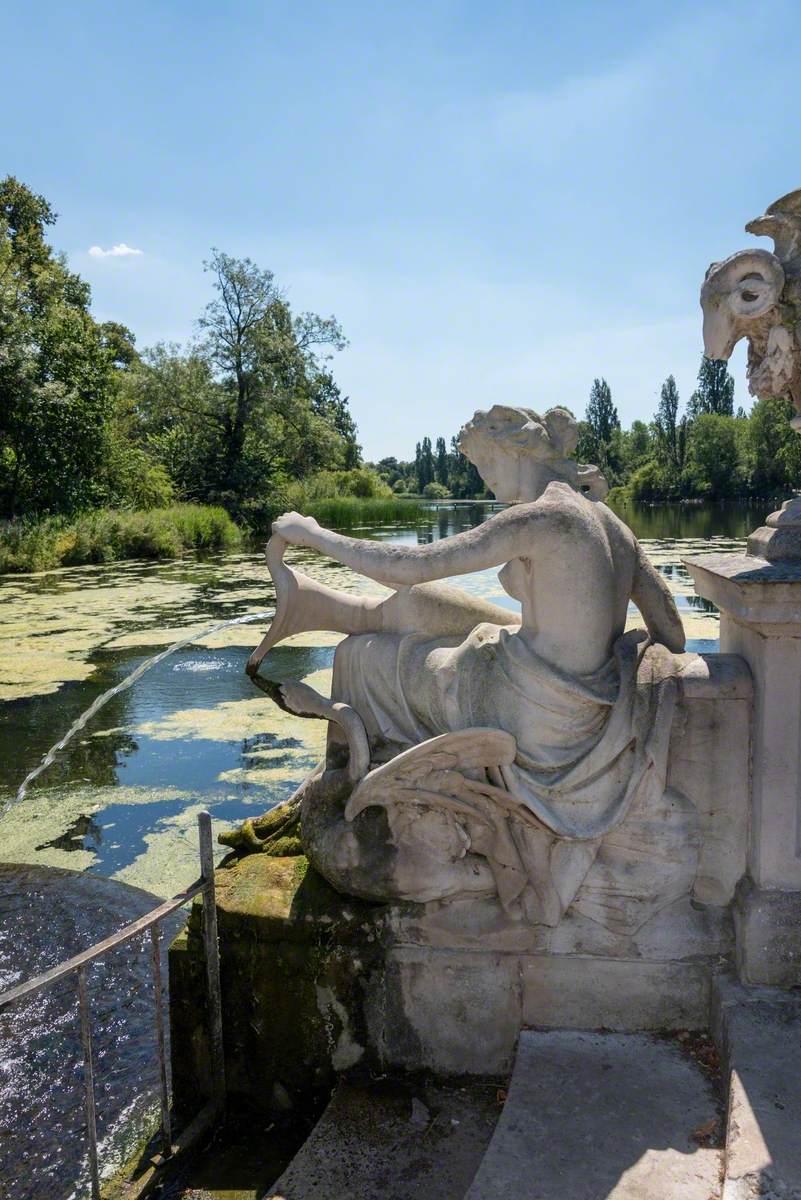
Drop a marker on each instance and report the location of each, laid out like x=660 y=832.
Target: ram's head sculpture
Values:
x=757 y=295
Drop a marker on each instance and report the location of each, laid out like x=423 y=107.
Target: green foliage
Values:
x=649 y=482
x=715 y=391
x=442 y=464
x=106 y=535
x=464 y=481
x=774 y=446
x=86 y=421
x=251 y=406
x=435 y=491
x=56 y=369
x=424 y=464
x=362 y=482
x=602 y=415
x=600 y=436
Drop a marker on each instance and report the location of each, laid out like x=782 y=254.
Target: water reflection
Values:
x=733 y=520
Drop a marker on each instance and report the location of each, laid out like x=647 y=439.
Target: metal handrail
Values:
x=78 y=964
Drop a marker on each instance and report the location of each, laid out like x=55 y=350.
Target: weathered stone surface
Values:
x=315 y=983
x=601 y=1117
x=294 y=958
x=768 y=925
x=575 y=992
x=449 y=1012
x=754 y=294
x=394 y=1141
x=758 y=1031
x=760 y=620
x=710 y=763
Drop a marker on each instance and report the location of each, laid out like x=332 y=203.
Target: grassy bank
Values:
x=107 y=535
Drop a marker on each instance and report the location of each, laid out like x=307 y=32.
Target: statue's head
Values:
x=757 y=295
x=518 y=453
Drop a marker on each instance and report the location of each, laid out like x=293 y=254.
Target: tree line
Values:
x=706 y=451
x=435 y=472
x=87 y=420
x=249 y=414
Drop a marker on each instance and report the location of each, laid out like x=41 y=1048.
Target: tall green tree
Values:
x=464 y=483
x=601 y=413
x=252 y=405
x=715 y=390
x=329 y=403
x=670 y=430
x=56 y=369
x=262 y=357
x=425 y=464
x=442 y=462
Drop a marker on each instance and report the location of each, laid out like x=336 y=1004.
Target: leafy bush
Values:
x=435 y=491
x=360 y=482
x=649 y=482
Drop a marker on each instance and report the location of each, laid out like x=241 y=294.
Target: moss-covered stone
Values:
x=276 y=832
x=295 y=959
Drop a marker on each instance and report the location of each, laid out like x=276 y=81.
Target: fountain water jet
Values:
x=122 y=686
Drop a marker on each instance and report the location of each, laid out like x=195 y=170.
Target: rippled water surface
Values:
x=122 y=802
x=47 y=914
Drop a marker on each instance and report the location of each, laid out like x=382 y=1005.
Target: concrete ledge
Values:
x=607 y=1115
x=758 y=1032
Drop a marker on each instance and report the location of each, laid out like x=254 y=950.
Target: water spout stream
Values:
x=125 y=683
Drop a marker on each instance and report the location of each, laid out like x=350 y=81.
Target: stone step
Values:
x=394 y=1141
x=594 y=1116
x=759 y=1034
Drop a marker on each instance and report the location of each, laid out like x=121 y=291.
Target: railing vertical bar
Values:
x=166 y=1132
x=212 y=962
x=88 y=1082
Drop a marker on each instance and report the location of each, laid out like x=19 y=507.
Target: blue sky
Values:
x=498 y=201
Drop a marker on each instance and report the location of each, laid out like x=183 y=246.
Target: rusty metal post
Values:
x=166 y=1132
x=212 y=962
x=88 y=1082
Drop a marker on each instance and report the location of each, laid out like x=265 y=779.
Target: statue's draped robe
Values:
x=595 y=826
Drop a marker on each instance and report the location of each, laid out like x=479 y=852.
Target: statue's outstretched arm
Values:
x=506 y=535
x=656 y=604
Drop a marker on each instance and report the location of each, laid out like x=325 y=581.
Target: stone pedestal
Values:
x=760 y=607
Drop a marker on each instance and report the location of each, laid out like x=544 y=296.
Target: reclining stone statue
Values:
x=473 y=751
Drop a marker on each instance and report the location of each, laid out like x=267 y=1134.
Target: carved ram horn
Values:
x=782 y=222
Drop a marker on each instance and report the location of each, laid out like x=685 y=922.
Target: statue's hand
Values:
x=296 y=529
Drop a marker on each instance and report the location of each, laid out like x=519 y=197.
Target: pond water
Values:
x=122 y=800
x=121 y=803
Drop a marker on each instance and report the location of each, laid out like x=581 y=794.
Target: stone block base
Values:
x=295 y=957
x=314 y=984
x=462 y=1012
x=768 y=931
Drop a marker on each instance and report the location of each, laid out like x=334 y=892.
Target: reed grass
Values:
x=107 y=535
x=346 y=512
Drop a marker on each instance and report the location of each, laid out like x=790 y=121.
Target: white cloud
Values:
x=120 y=251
